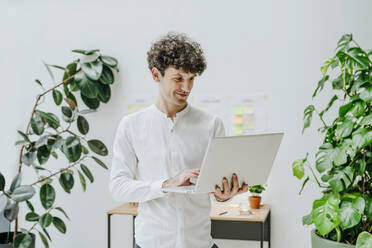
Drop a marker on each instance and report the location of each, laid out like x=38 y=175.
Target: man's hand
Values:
x=228 y=192
x=183 y=179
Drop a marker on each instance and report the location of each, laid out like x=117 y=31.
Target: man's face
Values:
x=175 y=86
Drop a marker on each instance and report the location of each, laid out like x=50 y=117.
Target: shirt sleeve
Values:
x=123 y=187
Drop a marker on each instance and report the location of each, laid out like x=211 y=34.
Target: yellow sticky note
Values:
x=229 y=98
x=238 y=129
x=248 y=109
x=249 y=124
x=238 y=110
x=238 y=119
x=266 y=96
x=201 y=106
x=131 y=109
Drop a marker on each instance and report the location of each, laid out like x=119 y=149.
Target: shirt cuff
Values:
x=156 y=187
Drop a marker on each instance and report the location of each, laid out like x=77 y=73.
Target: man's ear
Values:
x=156 y=75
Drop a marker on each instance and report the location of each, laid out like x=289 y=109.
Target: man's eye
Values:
x=178 y=79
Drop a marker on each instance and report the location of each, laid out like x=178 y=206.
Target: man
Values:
x=163 y=146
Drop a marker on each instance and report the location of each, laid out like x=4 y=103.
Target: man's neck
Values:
x=169 y=109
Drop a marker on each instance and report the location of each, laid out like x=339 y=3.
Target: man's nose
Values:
x=186 y=87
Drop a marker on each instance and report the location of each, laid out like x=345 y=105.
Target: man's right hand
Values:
x=183 y=179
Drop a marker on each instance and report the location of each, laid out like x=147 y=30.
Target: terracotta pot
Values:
x=254 y=202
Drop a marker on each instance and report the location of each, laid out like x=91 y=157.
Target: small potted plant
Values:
x=255 y=198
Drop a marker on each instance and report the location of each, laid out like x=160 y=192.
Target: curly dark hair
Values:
x=176 y=49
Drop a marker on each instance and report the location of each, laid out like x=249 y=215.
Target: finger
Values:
x=244 y=188
x=226 y=187
x=218 y=191
x=235 y=186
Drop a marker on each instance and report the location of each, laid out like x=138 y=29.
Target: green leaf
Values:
x=43 y=154
x=298 y=168
x=99 y=162
x=66 y=111
x=107 y=77
x=92 y=70
x=67 y=181
x=91 y=103
x=307 y=219
x=367 y=120
x=49 y=118
x=308 y=114
x=358 y=109
x=46 y=233
x=11 y=211
x=333 y=99
x=57 y=97
x=62 y=211
x=29 y=157
x=23 y=193
x=109 y=61
x=70 y=70
x=22 y=240
x=344 y=41
x=324 y=158
x=82 y=180
x=44 y=240
x=351 y=212
x=37 y=125
x=366 y=94
x=16 y=182
x=72 y=148
x=338 y=83
x=320 y=85
x=43 y=140
x=29 y=205
x=85 y=150
x=104 y=92
x=45 y=220
x=87 y=172
x=2 y=182
x=341 y=178
x=25 y=137
x=85 y=52
x=59 y=224
x=82 y=125
x=39 y=83
x=47 y=195
x=344 y=109
x=87 y=111
x=32 y=216
x=362 y=137
x=326 y=213
x=364 y=240
x=303 y=185
x=87 y=87
x=345 y=128
x=98 y=147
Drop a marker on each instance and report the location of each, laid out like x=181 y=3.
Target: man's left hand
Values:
x=227 y=192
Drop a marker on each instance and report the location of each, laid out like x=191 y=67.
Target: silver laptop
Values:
x=251 y=157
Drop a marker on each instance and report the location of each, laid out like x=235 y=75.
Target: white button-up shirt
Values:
x=151 y=147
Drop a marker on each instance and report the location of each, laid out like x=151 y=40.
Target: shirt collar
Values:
x=178 y=114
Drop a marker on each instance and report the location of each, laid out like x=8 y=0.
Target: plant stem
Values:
x=321 y=118
x=338 y=234
x=58 y=172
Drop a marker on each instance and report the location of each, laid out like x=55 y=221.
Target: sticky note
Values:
x=238 y=119
x=238 y=110
x=266 y=96
x=248 y=124
x=202 y=106
x=248 y=109
x=238 y=129
x=229 y=98
x=131 y=109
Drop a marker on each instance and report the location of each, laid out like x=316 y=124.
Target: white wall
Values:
x=251 y=46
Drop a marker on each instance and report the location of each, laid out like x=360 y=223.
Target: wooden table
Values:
x=252 y=225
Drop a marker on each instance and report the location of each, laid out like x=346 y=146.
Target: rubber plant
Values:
x=46 y=136
x=344 y=160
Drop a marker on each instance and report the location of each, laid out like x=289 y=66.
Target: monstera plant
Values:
x=46 y=136
x=343 y=214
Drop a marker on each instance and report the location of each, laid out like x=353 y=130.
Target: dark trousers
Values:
x=214 y=246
